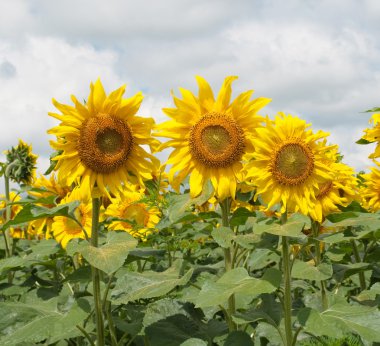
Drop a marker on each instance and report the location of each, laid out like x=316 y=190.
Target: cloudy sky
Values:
x=319 y=60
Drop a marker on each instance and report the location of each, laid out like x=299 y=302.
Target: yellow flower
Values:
x=45 y=188
x=373 y=134
x=371 y=191
x=211 y=137
x=134 y=215
x=341 y=190
x=63 y=228
x=15 y=209
x=101 y=141
x=288 y=164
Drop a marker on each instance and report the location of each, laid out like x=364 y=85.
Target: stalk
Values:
x=225 y=207
x=7 y=238
x=358 y=260
x=96 y=274
x=315 y=228
x=287 y=304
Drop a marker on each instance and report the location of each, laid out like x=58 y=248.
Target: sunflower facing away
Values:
x=100 y=141
x=134 y=215
x=289 y=164
x=211 y=137
x=63 y=228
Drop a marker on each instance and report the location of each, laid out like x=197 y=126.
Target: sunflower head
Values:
x=63 y=228
x=131 y=212
x=100 y=142
x=341 y=190
x=211 y=137
x=21 y=163
x=289 y=163
x=372 y=135
x=370 y=189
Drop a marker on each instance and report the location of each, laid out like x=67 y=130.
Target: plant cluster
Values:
x=254 y=232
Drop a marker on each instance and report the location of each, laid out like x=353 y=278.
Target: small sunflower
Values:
x=15 y=232
x=45 y=188
x=211 y=137
x=340 y=191
x=101 y=141
x=289 y=164
x=370 y=192
x=134 y=215
x=373 y=134
x=21 y=163
x=63 y=228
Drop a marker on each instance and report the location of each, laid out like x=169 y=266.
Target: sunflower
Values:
x=340 y=191
x=63 y=228
x=100 y=141
x=211 y=137
x=45 y=188
x=373 y=134
x=21 y=163
x=370 y=192
x=15 y=232
x=133 y=214
x=289 y=164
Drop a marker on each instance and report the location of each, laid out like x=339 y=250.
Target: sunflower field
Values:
x=253 y=232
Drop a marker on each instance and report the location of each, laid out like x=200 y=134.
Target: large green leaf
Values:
x=369 y=221
x=109 y=257
x=292 y=228
x=132 y=285
x=223 y=236
x=37 y=322
x=180 y=204
x=308 y=271
x=236 y=281
x=32 y=212
x=238 y=338
x=341 y=319
x=194 y=342
x=173 y=331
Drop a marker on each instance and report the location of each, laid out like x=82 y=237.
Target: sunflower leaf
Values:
x=340 y=319
x=109 y=257
x=32 y=212
x=133 y=286
x=236 y=281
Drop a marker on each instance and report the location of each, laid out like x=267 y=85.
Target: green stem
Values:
x=96 y=274
x=7 y=237
x=358 y=260
x=225 y=207
x=287 y=286
x=315 y=226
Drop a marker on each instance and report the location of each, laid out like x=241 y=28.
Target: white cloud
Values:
x=318 y=60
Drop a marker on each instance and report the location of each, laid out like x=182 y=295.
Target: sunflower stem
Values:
x=228 y=263
x=358 y=260
x=315 y=226
x=96 y=274
x=287 y=304
x=7 y=238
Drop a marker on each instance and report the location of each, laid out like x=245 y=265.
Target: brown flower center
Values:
x=216 y=140
x=105 y=143
x=293 y=163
